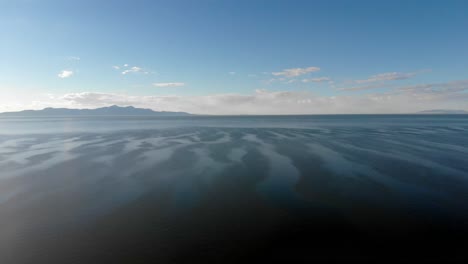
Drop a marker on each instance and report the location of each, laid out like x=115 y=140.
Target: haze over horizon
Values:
x=235 y=57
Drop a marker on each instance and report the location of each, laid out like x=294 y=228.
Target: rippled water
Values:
x=131 y=190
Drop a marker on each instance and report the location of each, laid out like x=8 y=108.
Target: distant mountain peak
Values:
x=116 y=106
x=113 y=110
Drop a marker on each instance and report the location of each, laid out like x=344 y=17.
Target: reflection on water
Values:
x=183 y=192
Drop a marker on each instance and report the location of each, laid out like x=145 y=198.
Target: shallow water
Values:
x=301 y=188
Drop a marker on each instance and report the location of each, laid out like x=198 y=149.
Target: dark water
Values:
x=234 y=189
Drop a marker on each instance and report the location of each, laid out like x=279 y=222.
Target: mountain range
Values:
x=104 y=111
x=133 y=111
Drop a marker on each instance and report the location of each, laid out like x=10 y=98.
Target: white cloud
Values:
x=134 y=69
x=295 y=72
x=399 y=99
x=406 y=100
x=65 y=74
x=232 y=73
x=126 y=69
x=319 y=79
x=169 y=84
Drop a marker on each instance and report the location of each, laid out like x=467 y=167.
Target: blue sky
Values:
x=232 y=57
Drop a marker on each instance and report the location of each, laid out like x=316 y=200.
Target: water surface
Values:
x=178 y=190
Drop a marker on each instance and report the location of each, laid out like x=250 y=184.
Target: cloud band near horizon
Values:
x=407 y=99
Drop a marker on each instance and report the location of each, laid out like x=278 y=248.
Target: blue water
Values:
x=130 y=189
x=26 y=125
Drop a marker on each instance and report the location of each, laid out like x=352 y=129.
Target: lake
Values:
x=233 y=188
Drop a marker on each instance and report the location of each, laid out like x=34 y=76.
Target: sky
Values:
x=235 y=57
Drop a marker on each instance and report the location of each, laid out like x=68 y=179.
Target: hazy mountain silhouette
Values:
x=443 y=111
x=104 y=111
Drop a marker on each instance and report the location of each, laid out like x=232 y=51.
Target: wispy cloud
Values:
x=169 y=84
x=232 y=73
x=295 y=80
x=294 y=72
x=388 y=76
x=363 y=87
x=437 y=88
x=65 y=74
x=134 y=69
x=73 y=58
x=380 y=80
x=319 y=79
x=126 y=69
